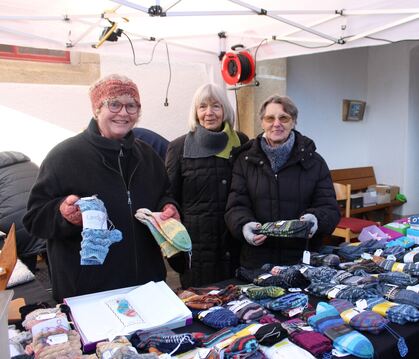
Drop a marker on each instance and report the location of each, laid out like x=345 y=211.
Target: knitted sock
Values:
x=218 y=317
x=365 y=320
x=286 y=229
x=257 y=292
x=166 y=247
x=412 y=256
x=314 y=342
x=288 y=301
x=328 y=321
x=270 y=334
x=398 y=278
x=96 y=236
x=241 y=347
x=400 y=295
x=246 y=310
x=172 y=230
x=395 y=313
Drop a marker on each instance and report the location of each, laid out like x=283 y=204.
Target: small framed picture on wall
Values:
x=353 y=110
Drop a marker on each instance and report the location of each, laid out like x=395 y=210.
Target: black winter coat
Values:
x=88 y=164
x=201 y=187
x=17 y=176
x=302 y=185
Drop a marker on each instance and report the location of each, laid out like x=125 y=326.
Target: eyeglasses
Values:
x=114 y=106
x=283 y=119
x=216 y=107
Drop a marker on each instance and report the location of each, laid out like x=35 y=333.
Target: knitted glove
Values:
x=249 y=233
x=308 y=217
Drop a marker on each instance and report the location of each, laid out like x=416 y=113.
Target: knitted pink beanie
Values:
x=112 y=86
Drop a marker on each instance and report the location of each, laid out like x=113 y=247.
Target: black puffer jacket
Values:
x=88 y=164
x=201 y=187
x=17 y=176
x=302 y=185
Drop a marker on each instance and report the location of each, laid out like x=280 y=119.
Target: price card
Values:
x=378 y=252
x=57 y=339
x=306 y=257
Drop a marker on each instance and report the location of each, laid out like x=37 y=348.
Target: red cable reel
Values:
x=238 y=67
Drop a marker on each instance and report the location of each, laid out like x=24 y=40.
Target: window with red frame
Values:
x=12 y=52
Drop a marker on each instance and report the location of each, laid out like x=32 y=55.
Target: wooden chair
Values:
x=348 y=227
x=8 y=257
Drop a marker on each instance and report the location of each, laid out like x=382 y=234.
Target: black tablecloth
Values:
x=385 y=345
x=33 y=292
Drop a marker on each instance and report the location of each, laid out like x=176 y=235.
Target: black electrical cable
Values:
x=246 y=67
x=166 y=101
x=307 y=47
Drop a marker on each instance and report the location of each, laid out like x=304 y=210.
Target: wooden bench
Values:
x=360 y=178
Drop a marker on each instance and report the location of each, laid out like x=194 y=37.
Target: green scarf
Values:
x=233 y=141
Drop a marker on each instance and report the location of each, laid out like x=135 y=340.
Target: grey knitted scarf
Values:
x=203 y=143
x=278 y=155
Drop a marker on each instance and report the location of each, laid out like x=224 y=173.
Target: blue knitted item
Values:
x=218 y=317
x=96 y=236
x=288 y=301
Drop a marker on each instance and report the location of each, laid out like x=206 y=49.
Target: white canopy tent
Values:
x=198 y=31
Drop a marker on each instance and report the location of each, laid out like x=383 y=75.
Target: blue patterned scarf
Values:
x=278 y=155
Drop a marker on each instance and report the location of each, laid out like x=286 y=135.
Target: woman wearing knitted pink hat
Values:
x=126 y=174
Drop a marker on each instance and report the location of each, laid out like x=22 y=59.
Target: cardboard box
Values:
x=370 y=198
x=357 y=200
x=398 y=227
x=385 y=193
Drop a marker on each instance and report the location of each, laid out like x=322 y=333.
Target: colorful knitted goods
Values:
x=398 y=278
x=39 y=315
x=110 y=87
x=219 y=336
x=246 y=310
x=288 y=301
x=363 y=320
x=396 y=250
x=400 y=295
x=97 y=238
x=270 y=334
x=105 y=350
x=328 y=321
x=314 y=342
x=256 y=292
x=395 y=313
x=329 y=260
x=176 y=343
x=282 y=276
x=412 y=256
x=393 y=266
x=241 y=347
x=213 y=296
x=286 y=229
x=45 y=348
x=368 y=266
x=170 y=234
x=352 y=252
x=320 y=274
x=218 y=317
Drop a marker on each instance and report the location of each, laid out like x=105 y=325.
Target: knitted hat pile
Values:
x=314 y=342
x=395 y=313
x=328 y=321
x=286 y=229
x=97 y=238
x=363 y=320
x=170 y=234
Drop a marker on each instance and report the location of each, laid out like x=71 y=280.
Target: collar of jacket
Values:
x=93 y=135
x=302 y=153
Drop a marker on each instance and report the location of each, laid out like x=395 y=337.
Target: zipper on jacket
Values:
x=121 y=172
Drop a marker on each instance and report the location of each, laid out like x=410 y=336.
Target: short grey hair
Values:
x=286 y=102
x=210 y=92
